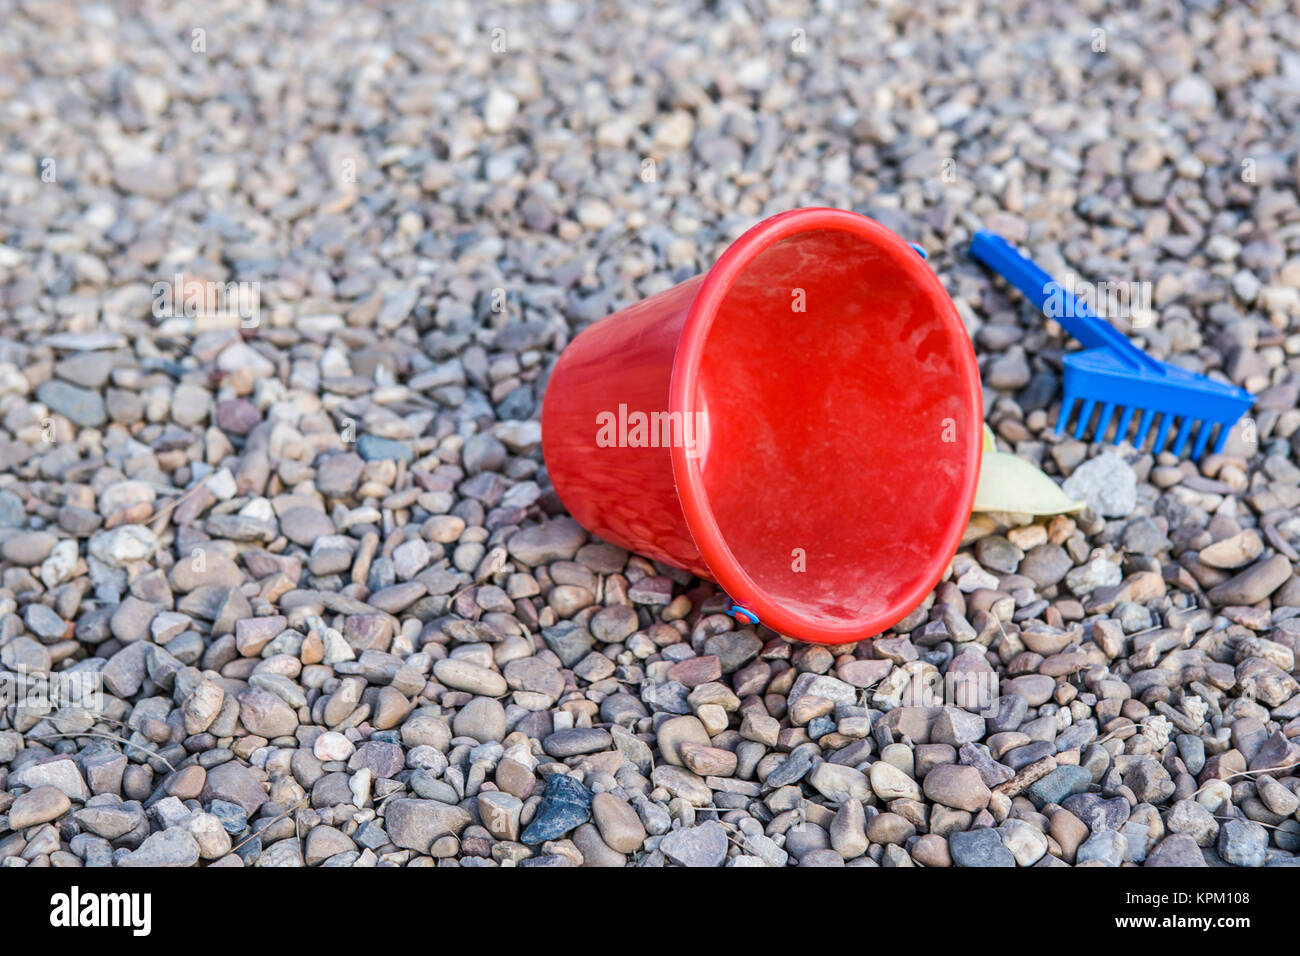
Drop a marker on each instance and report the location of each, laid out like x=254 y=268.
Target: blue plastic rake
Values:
x=1113 y=373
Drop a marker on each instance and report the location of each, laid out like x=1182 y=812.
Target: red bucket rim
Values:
x=726 y=568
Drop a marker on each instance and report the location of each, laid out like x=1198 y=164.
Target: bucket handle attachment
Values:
x=739 y=613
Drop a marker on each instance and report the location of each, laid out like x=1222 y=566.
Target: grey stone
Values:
x=556 y=540
x=416 y=824
x=1097 y=812
x=375 y=448
x=171 y=847
x=81 y=406
x=704 y=845
x=1243 y=843
x=1060 y=783
x=1177 y=849
x=232 y=782
x=983 y=847
x=570 y=642
x=566 y=804
x=1103 y=846
x=1045 y=564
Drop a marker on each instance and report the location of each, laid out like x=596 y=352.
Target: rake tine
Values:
x=1082 y=425
x=1202 y=437
x=1144 y=425
x=1166 y=422
x=1067 y=405
x=1103 y=422
x=1221 y=438
x=1184 y=430
x=1122 y=430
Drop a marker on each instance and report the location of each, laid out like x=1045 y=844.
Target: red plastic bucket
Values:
x=800 y=424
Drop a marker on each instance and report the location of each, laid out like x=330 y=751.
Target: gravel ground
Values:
x=339 y=615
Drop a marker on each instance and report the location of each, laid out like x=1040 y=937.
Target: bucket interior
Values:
x=839 y=411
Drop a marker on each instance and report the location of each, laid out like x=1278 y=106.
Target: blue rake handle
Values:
x=1041 y=289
